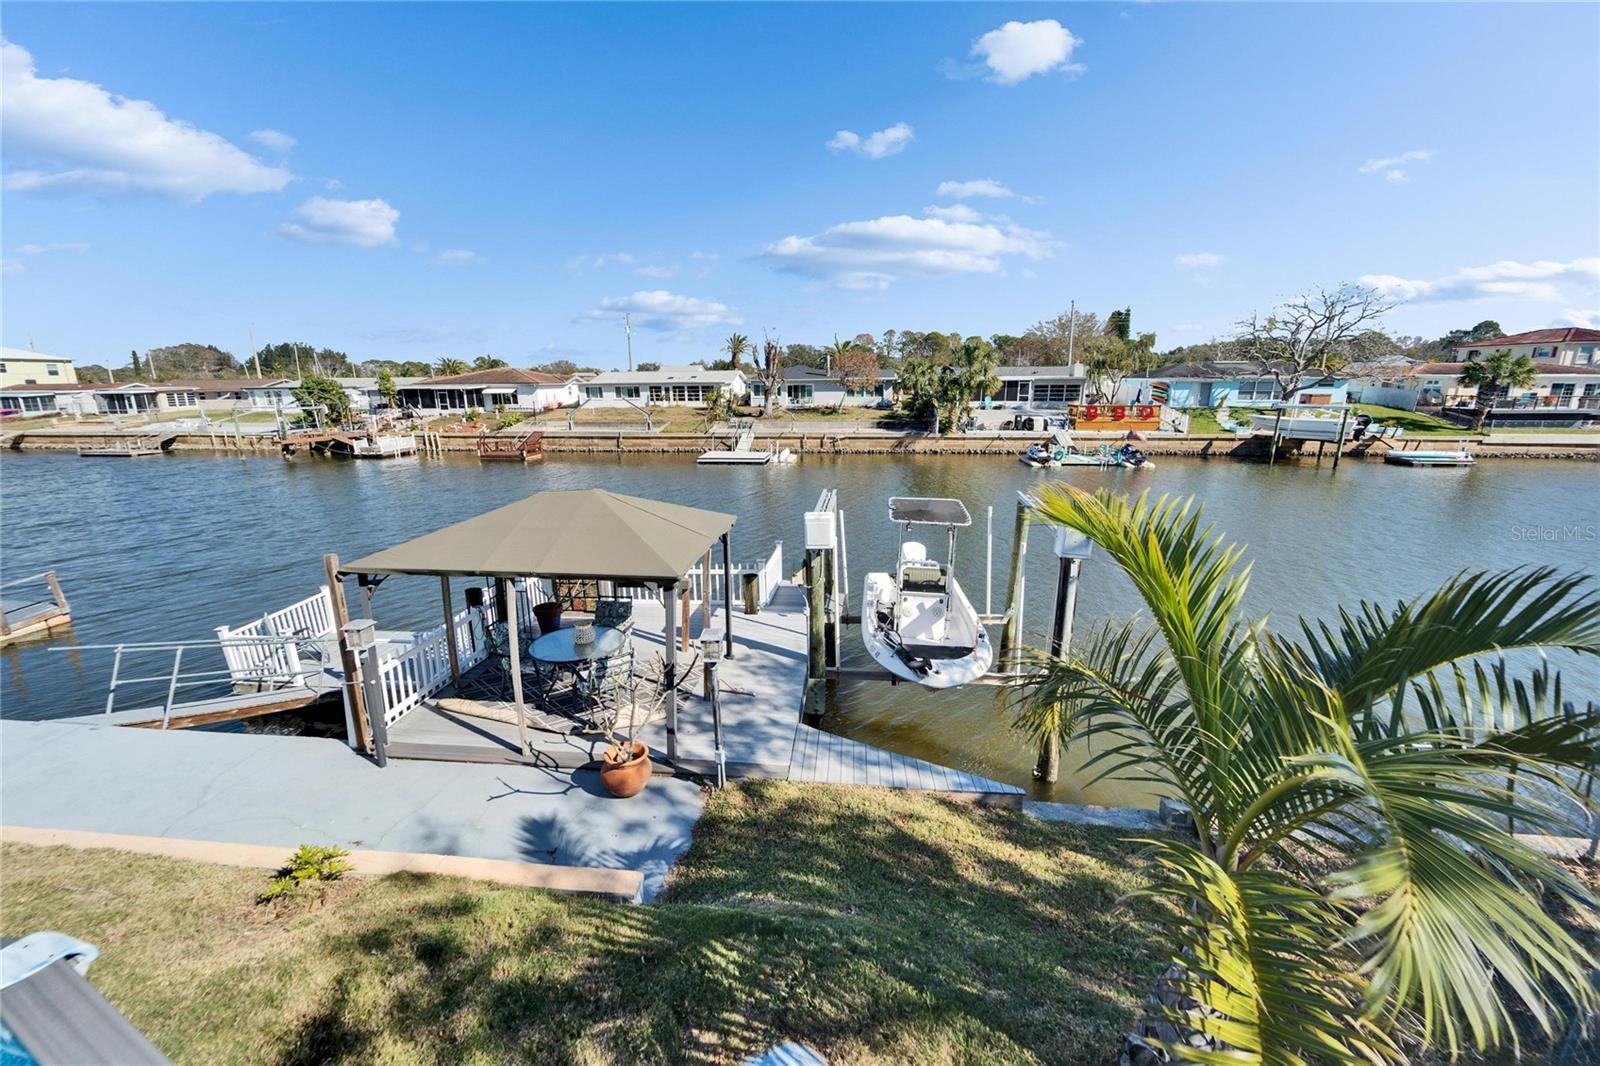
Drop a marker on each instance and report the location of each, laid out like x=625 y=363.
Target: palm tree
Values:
x=487 y=362
x=446 y=367
x=1494 y=376
x=736 y=346
x=1354 y=876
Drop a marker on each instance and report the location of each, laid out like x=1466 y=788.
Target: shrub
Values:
x=310 y=866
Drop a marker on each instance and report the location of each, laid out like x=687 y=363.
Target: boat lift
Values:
x=827 y=581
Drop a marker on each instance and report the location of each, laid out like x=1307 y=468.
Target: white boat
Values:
x=1421 y=458
x=916 y=622
x=1304 y=426
x=1060 y=451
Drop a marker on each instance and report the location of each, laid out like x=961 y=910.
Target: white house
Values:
x=1569 y=346
x=1040 y=386
x=689 y=385
x=805 y=386
x=489 y=390
x=31 y=401
x=1559 y=386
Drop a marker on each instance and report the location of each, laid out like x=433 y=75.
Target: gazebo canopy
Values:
x=586 y=533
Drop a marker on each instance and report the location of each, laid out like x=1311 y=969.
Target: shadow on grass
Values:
x=871 y=924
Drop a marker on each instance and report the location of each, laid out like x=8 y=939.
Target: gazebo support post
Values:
x=683 y=600
x=512 y=640
x=669 y=674
x=727 y=597
x=347 y=655
x=450 y=631
x=705 y=592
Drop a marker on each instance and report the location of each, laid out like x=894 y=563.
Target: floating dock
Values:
x=128 y=447
x=29 y=611
x=527 y=447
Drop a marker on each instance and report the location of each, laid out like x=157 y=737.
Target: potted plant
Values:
x=548 y=613
x=625 y=765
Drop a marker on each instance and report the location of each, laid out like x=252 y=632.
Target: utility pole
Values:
x=627 y=327
x=297 y=375
x=1072 y=329
x=254 y=356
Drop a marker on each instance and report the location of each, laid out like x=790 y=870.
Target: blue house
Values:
x=1231 y=383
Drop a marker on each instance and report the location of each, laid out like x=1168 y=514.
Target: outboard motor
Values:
x=1362 y=422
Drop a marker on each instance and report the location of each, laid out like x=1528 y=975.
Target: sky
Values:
x=418 y=181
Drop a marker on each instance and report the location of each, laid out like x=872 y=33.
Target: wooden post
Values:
x=752 y=593
x=727 y=595
x=513 y=639
x=55 y=590
x=816 y=639
x=705 y=591
x=1277 y=423
x=683 y=601
x=347 y=655
x=1011 y=636
x=669 y=673
x=1048 y=766
x=450 y=630
x=1338 y=449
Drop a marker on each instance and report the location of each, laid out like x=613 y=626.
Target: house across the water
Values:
x=1226 y=383
x=807 y=386
x=21 y=366
x=681 y=385
x=490 y=390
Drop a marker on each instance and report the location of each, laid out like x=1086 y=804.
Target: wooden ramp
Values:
x=207 y=712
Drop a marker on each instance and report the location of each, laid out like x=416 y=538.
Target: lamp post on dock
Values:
x=711 y=652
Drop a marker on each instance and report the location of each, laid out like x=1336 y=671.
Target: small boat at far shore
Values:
x=1059 y=451
x=1421 y=458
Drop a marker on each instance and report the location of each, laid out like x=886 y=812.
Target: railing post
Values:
x=116 y=668
x=292 y=661
x=172 y=687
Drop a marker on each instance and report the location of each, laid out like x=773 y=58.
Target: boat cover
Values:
x=929 y=511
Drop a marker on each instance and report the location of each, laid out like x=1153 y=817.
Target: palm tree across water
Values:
x=1354 y=888
x=446 y=367
x=736 y=347
x=1494 y=377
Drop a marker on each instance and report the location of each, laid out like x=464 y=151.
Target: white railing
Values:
x=410 y=673
x=309 y=619
x=769 y=573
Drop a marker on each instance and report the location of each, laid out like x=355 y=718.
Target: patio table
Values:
x=558 y=646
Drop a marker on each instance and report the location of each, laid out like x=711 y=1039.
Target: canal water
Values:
x=169 y=548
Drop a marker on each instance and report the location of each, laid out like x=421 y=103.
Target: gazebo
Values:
x=587 y=534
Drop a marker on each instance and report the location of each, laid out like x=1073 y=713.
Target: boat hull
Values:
x=1421 y=458
x=937 y=673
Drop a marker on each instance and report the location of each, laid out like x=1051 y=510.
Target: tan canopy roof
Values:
x=580 y=533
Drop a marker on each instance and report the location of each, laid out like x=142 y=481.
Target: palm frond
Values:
x=1256 y=979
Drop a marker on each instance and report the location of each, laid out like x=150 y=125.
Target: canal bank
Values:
x=879 y=442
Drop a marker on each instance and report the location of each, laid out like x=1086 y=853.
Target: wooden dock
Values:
x=30 y=612
x=131 y=446
x=526 y=448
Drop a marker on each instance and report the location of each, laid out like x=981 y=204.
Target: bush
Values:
x=511 y=418
x=309 y=867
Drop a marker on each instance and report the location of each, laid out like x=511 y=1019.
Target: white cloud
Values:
x=662 y=310
x=1393 y=167
x=76 y=135
x=1197 y=260
x=953 y=213
x=872 y=253
x=1587 y=319
x=366 y=223
x=1019 y=50
x=456 y=257
x=987 y=188
x=891 y=141
x=59 y=246
x=656 y=271
x=276 y=140
x=1542 y=281
x=10 y=266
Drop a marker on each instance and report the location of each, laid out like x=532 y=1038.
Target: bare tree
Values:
x=1312 y=336
x=857 y=369
x=770 y=374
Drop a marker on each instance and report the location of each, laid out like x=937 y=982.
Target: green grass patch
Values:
x=876 y=926
x=1414 y=424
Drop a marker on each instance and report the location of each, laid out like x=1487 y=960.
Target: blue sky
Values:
x=416 y=181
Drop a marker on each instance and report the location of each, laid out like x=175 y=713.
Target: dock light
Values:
x=1071 y=544
x=711 y=649
x=360 y=634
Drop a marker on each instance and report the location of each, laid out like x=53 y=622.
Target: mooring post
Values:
x=347 y=654
x=816 y=637
x=1338 y=449
x=1011 y=636
x=449 y=630
x=1277 y=431
x=669 y=672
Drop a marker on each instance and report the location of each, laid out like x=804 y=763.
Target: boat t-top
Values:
x=916 y=622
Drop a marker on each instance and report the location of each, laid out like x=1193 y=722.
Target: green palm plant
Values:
x=446 y=367
x=1355 y=885
x=736 y=346
x=1494 y=376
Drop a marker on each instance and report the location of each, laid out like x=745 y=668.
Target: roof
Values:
x=1225 y=370
x=372 y=383
x=1071 y=372
x=689 y=375
x=503 y=375
x=929 y=511
x=20 y=354
x=71 y=386
x=1454 y=370
x=1537 y=336
x=811 y=373
x=572 y=533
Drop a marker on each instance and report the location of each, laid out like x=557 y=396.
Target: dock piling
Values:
x=1011 y=636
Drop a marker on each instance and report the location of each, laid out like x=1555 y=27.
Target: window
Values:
x=1259 y=389
x=1474 y=353
x=1057 y=392
x=1014 y=391
x=2 y=368
x=53 y=369
x=1544 y=351
x=595 y=392
x=180 y=399
x=757 y=389
x=1561 y=394
x=628 y=392
x=1586 y=354
x=799 y=395
x=38 y=403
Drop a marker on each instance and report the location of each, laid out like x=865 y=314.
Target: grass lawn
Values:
x=1414 y=424
x=876 y=926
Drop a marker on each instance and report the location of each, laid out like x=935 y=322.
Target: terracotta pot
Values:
x=548 y=615
x=625 y=773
